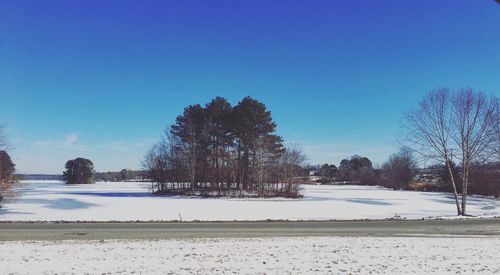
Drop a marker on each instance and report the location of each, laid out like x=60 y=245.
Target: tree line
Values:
x=81 y=171
x=122 y=175
x=396 y=173
x=484 y=179
x=224 y=150
x=401 y=172
x=353 y=170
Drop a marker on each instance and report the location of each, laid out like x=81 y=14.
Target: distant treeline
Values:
x=355 y=170
x=484 y=179
x=123 y=175
x=221 y=150
x=401 y=172
x=39 y=177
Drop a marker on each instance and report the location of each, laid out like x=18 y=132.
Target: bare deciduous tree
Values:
x=462 y=121
x=474 y=122
x=292 y=159
x=427 y=131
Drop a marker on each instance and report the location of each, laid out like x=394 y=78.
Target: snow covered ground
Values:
x=126 y=201
x=307 y=255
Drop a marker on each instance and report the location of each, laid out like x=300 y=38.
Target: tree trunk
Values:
x=465 y=181
x=459 y=212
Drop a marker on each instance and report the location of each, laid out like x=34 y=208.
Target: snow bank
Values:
x=130 y=201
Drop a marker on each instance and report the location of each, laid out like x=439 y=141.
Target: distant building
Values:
x=427 y=175
x=313 y=173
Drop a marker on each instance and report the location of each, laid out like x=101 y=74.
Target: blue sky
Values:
x=102 y=79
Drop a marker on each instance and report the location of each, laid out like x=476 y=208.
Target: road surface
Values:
x=170 y=230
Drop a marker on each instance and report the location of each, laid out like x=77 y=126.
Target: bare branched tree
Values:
x=162 y=163
x=292 y=159
x=427 y=131
x=399 y=170
x=464 y=121
x=474 y=124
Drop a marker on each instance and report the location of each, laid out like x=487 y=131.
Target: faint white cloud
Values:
x=43 y=143
x=71 y=139
x=68 y=141
x=121 y=146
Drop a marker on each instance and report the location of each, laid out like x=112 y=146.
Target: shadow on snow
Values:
x=62 y=204
x=112 y=194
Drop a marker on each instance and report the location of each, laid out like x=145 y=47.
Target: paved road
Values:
x=385 y=228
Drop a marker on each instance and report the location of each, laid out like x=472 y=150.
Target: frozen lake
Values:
x=130 y=201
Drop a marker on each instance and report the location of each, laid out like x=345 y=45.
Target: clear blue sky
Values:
x=102 y=79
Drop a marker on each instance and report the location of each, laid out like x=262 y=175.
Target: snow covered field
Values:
x=126 y=201
x=308 y=255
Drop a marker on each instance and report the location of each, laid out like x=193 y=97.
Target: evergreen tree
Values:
x=79 y=171
x=252 y=122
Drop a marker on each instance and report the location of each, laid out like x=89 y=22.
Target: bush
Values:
x=399 y=170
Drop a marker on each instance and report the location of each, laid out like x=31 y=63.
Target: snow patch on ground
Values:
x=307 y=255
x=131 y=201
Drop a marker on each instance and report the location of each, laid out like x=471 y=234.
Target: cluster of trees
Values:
x=357 y=169
x=7 y=167
x=218 y=149
x=400 y=170
x=455 y=125
x=328 y=171
x=396 y=173
x=79 y=171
